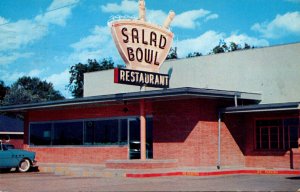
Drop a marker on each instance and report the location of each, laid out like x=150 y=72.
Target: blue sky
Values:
x=43 y=38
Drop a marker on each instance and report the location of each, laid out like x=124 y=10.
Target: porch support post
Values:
x=219 y=141
x=143 y=129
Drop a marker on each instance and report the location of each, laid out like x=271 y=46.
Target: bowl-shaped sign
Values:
x=143 y=46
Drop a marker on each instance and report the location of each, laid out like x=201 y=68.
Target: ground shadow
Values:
x=293 y=178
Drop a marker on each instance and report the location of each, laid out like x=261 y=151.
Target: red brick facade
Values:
x=262 y=158
x=183 y=130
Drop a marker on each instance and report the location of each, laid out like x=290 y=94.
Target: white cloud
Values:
x=203 y=43
x=58 y=12
x=211 y=17
x=16 y=35
x=98 y=44
x=282 y=25
x=20 y=33
x=208 y=40
x=60 y=81
x=99 y=36
x=243 y=38
x=35 y=73
x=57 y=4
x=156 y=16
x=126 y=6
x=189 y=19
x=11 y=57
x=11 y=77
x=3 y=20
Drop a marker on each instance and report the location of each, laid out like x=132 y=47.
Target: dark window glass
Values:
x=264 y=138
x=281 y=140
x=88 y=132
x=274 y=137
x=293 y=136
x=68 y=133
x=106 y=132
x=277 y=134
x=89 y=136
x=123 y=132
x=40 y=134
x=149 y=137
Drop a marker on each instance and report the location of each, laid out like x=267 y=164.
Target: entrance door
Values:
x=134 y=138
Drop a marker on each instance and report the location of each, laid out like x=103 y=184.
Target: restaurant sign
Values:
x=134 y=77
x=144 y=47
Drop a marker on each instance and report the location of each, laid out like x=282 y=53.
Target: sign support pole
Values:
x=143 y=129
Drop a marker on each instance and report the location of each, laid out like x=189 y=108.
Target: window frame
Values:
x=119 y=118
x=84 y=128
x=279 y=127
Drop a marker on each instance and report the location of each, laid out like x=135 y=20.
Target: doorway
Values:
x=134 y=147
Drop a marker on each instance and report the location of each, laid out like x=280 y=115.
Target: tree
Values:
x=195 y=54
x=77 y=71
x=220 y=49
x=233 y=47
x=172 y=54
x=223 y=48
x=31 y=90
x=3 y=90
x=247 y=46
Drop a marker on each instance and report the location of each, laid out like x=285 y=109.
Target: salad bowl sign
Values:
x=144 y=47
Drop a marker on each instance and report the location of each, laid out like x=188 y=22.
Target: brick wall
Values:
x=15 y=139
x=263 y=158
x=187 y=130
x=87 y=155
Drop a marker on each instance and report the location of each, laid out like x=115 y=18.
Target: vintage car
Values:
x=10 y=158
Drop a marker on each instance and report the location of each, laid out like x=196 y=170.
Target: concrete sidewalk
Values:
x=95 y=170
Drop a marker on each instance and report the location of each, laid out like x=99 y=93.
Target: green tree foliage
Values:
x=3 y=90
x=223 y=47
x=31 y=90
x=233 y=47
x=172 y=54
x=77 y=71
x=195 y=54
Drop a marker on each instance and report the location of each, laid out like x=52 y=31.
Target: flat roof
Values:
x=263 y=108
x=165 y=93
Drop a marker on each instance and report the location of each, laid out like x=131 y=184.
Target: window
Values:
x=40 y=134
x=106 y=132
x=277 y=134
x=80 y=132
x=68 y=133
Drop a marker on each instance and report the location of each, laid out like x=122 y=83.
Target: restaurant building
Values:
x=237 y=109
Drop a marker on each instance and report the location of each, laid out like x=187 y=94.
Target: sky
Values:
x=44 y=38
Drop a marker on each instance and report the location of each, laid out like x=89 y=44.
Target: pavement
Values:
x=92 y=170
x=49 y=182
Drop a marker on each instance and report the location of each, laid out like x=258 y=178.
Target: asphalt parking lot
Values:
x=43 y=182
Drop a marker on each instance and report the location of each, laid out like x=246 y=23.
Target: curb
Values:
x=214 y=173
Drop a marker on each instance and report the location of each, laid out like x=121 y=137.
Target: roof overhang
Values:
x=153 y=94
x=263 y=108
